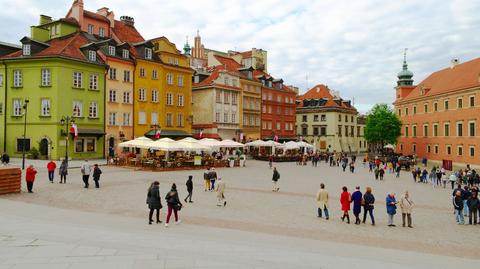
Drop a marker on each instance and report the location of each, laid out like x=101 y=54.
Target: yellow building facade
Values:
x=250 y=109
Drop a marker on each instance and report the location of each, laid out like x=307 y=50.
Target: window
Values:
x=352 y=131
x=126 y=75
x=1 y=80
x=234 y=119
x=92 y=56
x=225 y=117
x=112 y=73
x=169 y=79
x=180 y=120
x=471 y=128
x=278 y=126
x=435 y=130
x=269 y=97
x=315 y=131
x=154 y=74
x=125 y=54
x=323 y=131
x=93 y=82
x=90 y=29
x=46 y=77
x=126 y=119
x=269 y=109
x=79 y=145
x=340 y=118
x=218 y=97
x=414 y=110
x=154 y=119
x=180 y=100
x=1 y=108
x=26 y=49
x=435 y=149
x=425 y=108
x=112 y=118
x=425 y=130
x=77 y=108
x=406 y=111
x=226 y=81
x=85 y=145
x=235 y=100
x=180 y=81
x=459 y=102
x=264 y=96
x=459 y=150
x=446 y=129
x=315 y=117
x=154 y=96
x=111 y=50
x=351 y=118
x=141 y=95
x=414 y=147
x=169 y=120
x=23 y=144
x=472 y=151
x=304 y=131
x=459 y=129
x=17 y=107
x=175 y=61
x=77 y=79
x=406 y=131
x=435 y=106
x=323 y=117
x=304 y=118
x=472 y=101
x=101 y=33
x=360 y=128
x=142 y=119
x=428 y=149
x=148 y=53
x=339 y=130
x=346 y=130
x=142 y=72
x=217 y=117
x=226 y=97
x=45 y=112
x=264 y=109
x=445 y=104
x=126 y=97
x=93 y=110
x=414 y=131
x=449 y=149
x=279 y=110
x=399 y=112
x=264 y=125
x=17 y=78
x=346 y=118
x=169 y=99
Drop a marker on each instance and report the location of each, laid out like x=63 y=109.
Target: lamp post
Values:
x=65 y=121
x=25 y=107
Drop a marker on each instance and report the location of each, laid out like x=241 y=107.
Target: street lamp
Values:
x=65 y=121
x=25 y=107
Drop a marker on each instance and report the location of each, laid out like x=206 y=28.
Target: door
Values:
x=111 y=147
x=44 y=147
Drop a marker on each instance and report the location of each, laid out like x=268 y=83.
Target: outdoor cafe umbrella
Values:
x=192 y=144
x=140 y=142
x=227 y=143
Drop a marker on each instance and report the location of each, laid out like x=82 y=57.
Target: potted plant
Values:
x=231 y=161
x=33 y=153
x=242 y=160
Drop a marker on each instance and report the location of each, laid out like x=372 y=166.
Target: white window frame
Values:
x=46 y=77
x=126 y=119
x=93 y=85
x=17 y=107
x=112 y=72
x=142 y=72
x=77 y=109
x=154 y=74
x=45 y=107
x=169 y=98
x=126 y=97
x=169 y=79
x=126 y=75
x=93 y=110
x=112 y=118
x=180 y=81
x=26 y=49
x=142 y=95
x=148 y=53
x=112 y=96
x=125 y=54
x=92 y=56
x=111 y=50
x=154 y=118
x=1 y=80
x=77 y=80
x=180 y=121
x=142 y=117
x=17 y=78
x=155 y=96
x=180 y=100
x=90 y=29
x=169 y=120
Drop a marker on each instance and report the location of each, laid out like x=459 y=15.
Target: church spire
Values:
x=405 y=76
x=186 y=47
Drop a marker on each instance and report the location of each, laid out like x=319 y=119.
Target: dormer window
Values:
x=148 y=53
x=92 y=56
x=101 y=32
x=269 y=83
x=111 y=50
x=125 y=54
x=90 y=29
x=250 y=74
x=26 y=49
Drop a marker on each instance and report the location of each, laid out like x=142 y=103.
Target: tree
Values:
x=382 y=127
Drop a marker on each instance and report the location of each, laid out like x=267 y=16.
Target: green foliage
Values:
x=383 y=125
x=33 y=153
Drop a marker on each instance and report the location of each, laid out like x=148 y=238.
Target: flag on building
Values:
x=275 y=138
x=201 y=134
x=157 y=134
x=74 y=130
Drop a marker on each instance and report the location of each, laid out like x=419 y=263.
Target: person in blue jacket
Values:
x=357 y=204
x=391 y=208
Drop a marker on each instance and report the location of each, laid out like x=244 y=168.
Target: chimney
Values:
x=102 y=11
x=454 y=62
x=45 y=19
x=77 y=11
x=127 y=20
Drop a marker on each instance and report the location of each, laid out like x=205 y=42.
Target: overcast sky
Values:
x=355 y=47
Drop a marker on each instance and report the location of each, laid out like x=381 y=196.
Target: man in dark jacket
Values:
x=275 y=178
x=458 y=206
x=189 y=189
x=154 y=202
x=96 y=175
x=473 y=206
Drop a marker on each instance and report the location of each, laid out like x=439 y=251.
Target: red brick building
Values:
x=440 y=115
x=278 y=108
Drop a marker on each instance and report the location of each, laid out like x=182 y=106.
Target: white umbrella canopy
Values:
x=166 y=144
x=389 y=146
x=291 y=145
x=192 y=144
x=227 y=143
x=140 y=142
x=257 y=143
x=304 y=144
x=271 y=143
x=210 y=142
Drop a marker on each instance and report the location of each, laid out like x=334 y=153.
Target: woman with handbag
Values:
x=173 y=203
x=154 y=201
x=345 y=200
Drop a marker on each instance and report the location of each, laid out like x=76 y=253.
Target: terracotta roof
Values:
x=68 y=46
x=209 y=81
x=95 y=16
x=229 y=63
x=321 y=91
x=246 y=54
x=462 y=76
x=127 y=33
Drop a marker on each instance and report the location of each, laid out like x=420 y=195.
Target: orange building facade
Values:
x=440 y=115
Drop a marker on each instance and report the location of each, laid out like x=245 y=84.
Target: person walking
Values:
x=473 y=205
x=154 y=202
x=275 y=178
x=213 y=177
x=357 y=204
x=173 y=203
x=189 y=185
x=406 y=205
x=453 y=179
x=381 y=172
x=466 y=194
x=398 y=169
x=270 y=161
x=368 y=201
x=391 y=203
x=221 y=192
x=85 y=169
x=322 y=201
x=30 y=177
x=96 y=175
x=206 y=178
x=5 y=159
x=51 y=166
x=345 y=200
x=352 y=166
x=63 y=172
x=458 y=207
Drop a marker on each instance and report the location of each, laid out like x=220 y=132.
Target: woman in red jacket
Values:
x=345 y=200
x=30 y=177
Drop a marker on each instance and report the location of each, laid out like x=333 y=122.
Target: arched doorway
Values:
x=111 y=147
x=44 y=147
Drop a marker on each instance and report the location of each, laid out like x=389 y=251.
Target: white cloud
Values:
x=353 y=46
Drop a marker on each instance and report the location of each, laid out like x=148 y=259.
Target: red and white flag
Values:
x=74 y=130
x=157 y=134
x=275 y=138
x=201 y=134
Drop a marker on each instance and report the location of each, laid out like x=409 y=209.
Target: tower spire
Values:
x=405 y=76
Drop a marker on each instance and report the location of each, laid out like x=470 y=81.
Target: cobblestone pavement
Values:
x=67 y=226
